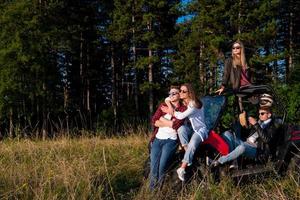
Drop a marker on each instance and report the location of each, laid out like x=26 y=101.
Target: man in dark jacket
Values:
x=262 y=138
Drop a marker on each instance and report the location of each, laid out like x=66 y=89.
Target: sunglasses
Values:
x=173 y=94
x=236 y=47
x=262 y=113
x=183 y=91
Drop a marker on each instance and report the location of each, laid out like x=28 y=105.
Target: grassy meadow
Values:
x=108 y=168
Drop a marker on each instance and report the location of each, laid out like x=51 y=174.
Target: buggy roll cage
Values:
x=249 y=91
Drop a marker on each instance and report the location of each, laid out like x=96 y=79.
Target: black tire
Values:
x=294 y=166
x=292 y=161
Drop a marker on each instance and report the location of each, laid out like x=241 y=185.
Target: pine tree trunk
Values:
x=291 y=37
x=81 y=71
x=135 y=82
x=44 y=126
x=150 y=76
x=66 y=102
x=150 y=79
x=37 y=104
x=114 y=88
x=11 y=125
x=212 y=78
x=201 y=66
x=269 y=71
x=239 y=16
x=88 y=108
x=66 y=84
x=66 y=97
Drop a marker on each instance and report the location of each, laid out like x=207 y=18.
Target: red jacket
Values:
x=159 y=113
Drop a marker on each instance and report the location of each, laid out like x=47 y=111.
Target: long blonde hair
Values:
x=242 y=60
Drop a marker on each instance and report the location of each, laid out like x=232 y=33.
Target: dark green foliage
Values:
x=83 y=64
x=29 y=78
x=290 y=95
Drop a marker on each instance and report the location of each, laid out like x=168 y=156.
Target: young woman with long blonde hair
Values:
x=236 y=70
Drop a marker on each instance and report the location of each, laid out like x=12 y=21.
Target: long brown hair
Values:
x=242 y=60
x=192 y=95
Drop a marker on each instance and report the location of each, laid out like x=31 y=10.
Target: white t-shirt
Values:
x=164 y=133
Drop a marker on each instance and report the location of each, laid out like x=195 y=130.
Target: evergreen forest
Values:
x=74 y=66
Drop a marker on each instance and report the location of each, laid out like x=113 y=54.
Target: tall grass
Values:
x=86 y=168
x=111 y=168
x=268 y=188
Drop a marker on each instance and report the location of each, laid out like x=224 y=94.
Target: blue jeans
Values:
x=193 y=145
x=161 y=153
x=184 y=134
x=237 y=148
x=230 y=140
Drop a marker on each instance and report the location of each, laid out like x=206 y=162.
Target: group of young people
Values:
x=181 y=117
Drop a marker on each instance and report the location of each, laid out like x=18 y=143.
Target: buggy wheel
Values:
x=294 y=167
x=296 y=163
x=172 y=181
x=292 y=161
x=196 y=172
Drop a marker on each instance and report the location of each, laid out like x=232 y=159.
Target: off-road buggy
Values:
x=287 y=153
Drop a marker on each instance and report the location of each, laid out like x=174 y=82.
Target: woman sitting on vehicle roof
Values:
x=236 y=71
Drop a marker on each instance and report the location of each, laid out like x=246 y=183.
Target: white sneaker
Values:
x=181 y=173
x=234 y=164
x=208 y=161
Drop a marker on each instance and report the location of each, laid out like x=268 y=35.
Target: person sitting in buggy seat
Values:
x=261 y=141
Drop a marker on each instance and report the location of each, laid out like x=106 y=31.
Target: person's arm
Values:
x=265 y=134
x=174 y=123
x=170 y=107
x=179 y=122
x=226 y=75
x=181 y=115
x=158 y=113
x=162 y=122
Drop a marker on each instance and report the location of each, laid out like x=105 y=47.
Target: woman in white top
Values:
x=195 y=114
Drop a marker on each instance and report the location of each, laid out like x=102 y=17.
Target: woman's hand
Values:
x=166 y=109
x=162 y=122
x=219 y=91
x=252 y=121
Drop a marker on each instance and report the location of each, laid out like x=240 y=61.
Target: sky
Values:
x=187 y=17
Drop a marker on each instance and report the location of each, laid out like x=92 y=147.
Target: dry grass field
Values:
x=107 y=168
